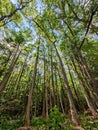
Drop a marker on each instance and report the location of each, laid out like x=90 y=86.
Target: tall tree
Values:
x=73 y=110
x=29 y=102
x=45 y=97
x=86 y=93
x=11 y=67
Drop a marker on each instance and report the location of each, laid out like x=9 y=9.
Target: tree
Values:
x=8 y=74
x=29 y=102
x=73 y=110
x=65 y=66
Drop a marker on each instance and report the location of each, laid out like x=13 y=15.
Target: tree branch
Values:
x=88 y=26
x=14 y=12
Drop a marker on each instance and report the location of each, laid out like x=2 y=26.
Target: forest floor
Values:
x=56 y=123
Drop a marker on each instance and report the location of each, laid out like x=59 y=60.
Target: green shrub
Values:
x=55 y=119
x=38 y=121
x=6 y=124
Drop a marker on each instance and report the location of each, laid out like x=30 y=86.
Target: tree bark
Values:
x=52 y=80
x=11 y=67
x=29 y=102
x=73 y=84
x=73 y=111
x=61 y=95
x=57 y=89
x=18 y=80
x=45 y=100
x=88 y=74
x=86 y=92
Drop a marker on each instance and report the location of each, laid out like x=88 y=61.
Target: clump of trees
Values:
x=48 y=58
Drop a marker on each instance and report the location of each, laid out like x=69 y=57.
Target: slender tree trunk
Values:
x=72 y=81
x=86 y=92
x=45 y=90
x=11 y=67
x=56 y=88
x=17 y=83
x=46 y=97
x=73 y=111
x=52 y=80
x=44 y=103
x=36 y=98
x=50 y=92
x=90 y=88
x=50 y=100
x=61 y=96
x=43 y=109
x=88 y=74
x=29 y=102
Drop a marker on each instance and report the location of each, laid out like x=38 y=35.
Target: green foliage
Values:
x=8 y=124
x=19 y=38
x=9 y=39
x=88 y=123
x=54 y=122
x=6 y=7
x=55 y=118
x=38 y=121
x=65 y=21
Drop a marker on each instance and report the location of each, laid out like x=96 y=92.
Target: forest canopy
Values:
x=48 y=64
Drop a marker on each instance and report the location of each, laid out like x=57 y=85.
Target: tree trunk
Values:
x=17 y=83
x=29 y=102
x=61 y=96
x=90 y=88
x=56 y=89
x=78 y=99
x=87 y=72
x=73 y=111
x=45 y=102
x=8 y=74
x=86 y=92
x=50 y=93
x=52 y=80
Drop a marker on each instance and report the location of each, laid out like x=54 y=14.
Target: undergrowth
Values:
x=55 y=121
